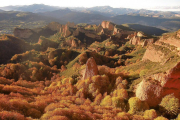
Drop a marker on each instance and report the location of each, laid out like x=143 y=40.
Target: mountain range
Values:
x=38 y=15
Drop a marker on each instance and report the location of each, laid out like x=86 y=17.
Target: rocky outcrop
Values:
x=65 y=30
x=135 y=40
x=140 y=34
x=87 y=36
x=171 y=41
x=139 y=38
x=153 y=55
x=91 y=68
x=149 y=92
x=107 y=24
x=160 y=85
x=72 y=42
x=172 y=84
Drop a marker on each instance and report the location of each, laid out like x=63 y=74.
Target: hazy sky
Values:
x=90 y=3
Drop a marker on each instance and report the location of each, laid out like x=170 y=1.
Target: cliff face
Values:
x=108 y=25
x=171 y=41
x=139 y=38
x=65 y=30
x=160 y=85
x=153 y=55
x=172 y=84
x=135 y=40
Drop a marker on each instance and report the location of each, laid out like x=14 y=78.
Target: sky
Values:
x=135 y=4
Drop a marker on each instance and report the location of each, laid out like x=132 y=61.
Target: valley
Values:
x=88 y=63
x=82 y=71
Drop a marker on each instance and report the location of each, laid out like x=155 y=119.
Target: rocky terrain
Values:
x=86 y=71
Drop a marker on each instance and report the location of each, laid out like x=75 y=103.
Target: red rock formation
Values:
x=91 y=68
x=65 y=29
x=135 y=40
x=153 y=55
x=172 y=84
x=171 y=41
x=130 y=36
x=149 y=92
x=108 y=25
x=140 y=34
x=74 y=43
x=160 y=85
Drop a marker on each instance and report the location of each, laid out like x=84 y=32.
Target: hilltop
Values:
x=87 y=71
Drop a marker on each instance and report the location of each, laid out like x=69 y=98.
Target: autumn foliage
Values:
x=86 y=72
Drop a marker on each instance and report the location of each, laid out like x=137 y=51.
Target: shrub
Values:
x=59 y=118
x=137 y=117
x=122 y=93
x=161 y=118
x=178 y=117
x=98 y=99
x=169 y=105
x=123 y=116
x=136 y=105
x=119 y=102
x=150 y=114
x=7 y=115
x=107 y=101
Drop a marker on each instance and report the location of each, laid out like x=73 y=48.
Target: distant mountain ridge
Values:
x=170 y=24
x=169 y=21
x=103 y=10
x=35 y=8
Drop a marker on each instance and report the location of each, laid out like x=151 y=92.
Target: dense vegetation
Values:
x=47 y=79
